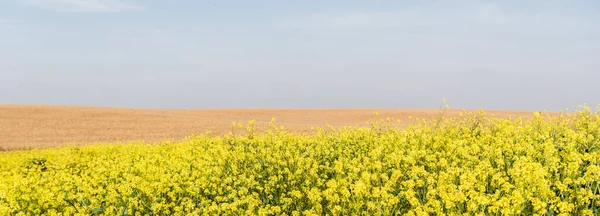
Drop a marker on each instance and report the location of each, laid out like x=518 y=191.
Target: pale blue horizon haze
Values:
x=517 y=55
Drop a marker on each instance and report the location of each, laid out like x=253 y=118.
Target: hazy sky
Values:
x=337 y=53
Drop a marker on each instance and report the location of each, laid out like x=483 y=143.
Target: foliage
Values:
x=544 y=165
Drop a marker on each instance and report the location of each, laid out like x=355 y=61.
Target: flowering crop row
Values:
x=545 y=165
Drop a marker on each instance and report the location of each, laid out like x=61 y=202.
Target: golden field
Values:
x=464 y=163
x=35 y=126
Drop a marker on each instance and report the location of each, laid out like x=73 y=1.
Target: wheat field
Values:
x=39 y=126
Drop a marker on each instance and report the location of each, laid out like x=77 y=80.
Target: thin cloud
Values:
x=8 y=23
x=84 y=6
x=491 y=14
x=421 y=16
x=370 y=20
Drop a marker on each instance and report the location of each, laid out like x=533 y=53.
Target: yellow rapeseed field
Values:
x=474 y=164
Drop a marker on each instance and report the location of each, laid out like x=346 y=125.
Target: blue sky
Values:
x=244 y=54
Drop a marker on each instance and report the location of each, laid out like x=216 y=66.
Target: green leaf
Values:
x=97 y=211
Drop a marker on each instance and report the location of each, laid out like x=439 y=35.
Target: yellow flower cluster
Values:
x=471 y=164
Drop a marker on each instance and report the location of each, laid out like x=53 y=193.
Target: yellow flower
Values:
x=467 y=164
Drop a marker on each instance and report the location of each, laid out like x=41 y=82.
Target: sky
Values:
x=511 y=54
